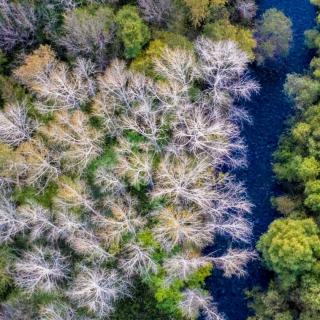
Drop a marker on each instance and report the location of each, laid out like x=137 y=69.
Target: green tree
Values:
x=269 y=305
x=312 y=192
x=6 y=258
x=302 y=89
x=290 y=248
x=199 y=9
x=274 y=35
x=132 y=32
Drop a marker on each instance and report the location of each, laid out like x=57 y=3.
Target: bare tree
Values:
x=88 y=34
x=144 y=115
x=79 y=236
x=12 y=166
x=40 y=222
x=17 y=309
x=177 y=65
x=185 y=181
x=144 y=120
x=231 y=199
x=223 y=68
x=41 y=163
x=41 y=61
x=11 y=223
x=137 y=260
x=73 y=194
x=56 y=86
x=155 y=11
x=196 y=301
x=113 y=87
x=80 y=142
x=125 y=101
x=123 y=221
x=63 y=89
x=233 y=262
x=237 y=227
x=41 y=269
x=183 y=265
x=57 y=312
x=18 y=25
x=98 y=290
x=208 y=135
x=15 y=126
x=109 y=182
x=247 y=8
x=134 y=164
x=181 y=227
x=173 y=97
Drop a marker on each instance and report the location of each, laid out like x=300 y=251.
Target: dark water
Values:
x=269 y=111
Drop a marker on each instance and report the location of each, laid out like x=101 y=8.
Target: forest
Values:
x=121 y=139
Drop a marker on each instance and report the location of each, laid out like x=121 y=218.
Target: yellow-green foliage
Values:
x=199 y=9
x=132 y=31
x=291 y=248
x=224 y=30
x=145 y=61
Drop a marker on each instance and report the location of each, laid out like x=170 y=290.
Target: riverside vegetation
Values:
x=118 y=130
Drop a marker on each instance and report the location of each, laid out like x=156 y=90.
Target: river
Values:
x=269 y=111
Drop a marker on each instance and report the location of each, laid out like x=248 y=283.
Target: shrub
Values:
x=132 y=32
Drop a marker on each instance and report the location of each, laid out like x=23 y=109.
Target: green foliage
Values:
x=6 y=282
x=197 y=279
x=144 y=63
x=271 y=305
x=312 y=192
x=304 y=90
x=309 y=292
x=312 y=39
x=133 y=33
x=174 y=40
x=199 y=9
x=29 y=194
x=290 y=248
x=167 y=296
x=224 y=30
x=142 y=306
x=274 y=35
